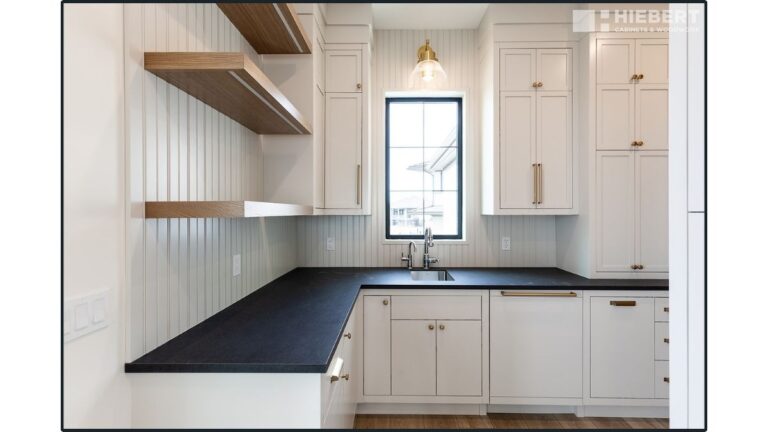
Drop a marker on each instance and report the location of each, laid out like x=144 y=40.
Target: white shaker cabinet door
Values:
x=615 y=61
x=459 y=358
x=651 y=116
x=615 y=116
x=651 y=211
x=622 y=347
x=518 y=69
x=343 y=71
x=517 y=149
x=615 y=211
x=536 y=347
x=376 y=345
x=652 y=61
x=554 y=150
x=553 y=69
x=343 y=150
x=413 y=358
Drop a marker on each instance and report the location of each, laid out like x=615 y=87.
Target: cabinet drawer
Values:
x=661 y=386
x=437 y=307
x=662 y=309
x=662 y=341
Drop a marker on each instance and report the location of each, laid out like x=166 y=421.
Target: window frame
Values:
x=460 y=169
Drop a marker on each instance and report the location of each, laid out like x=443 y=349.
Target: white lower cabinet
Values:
x=459 y=358
x=413 y=358
x=536 y=346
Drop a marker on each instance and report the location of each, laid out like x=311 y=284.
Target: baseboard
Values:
x=626 y=411
x=421 y=408
x=532 y=409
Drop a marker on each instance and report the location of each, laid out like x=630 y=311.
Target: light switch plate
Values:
x=236 y=265
x=506 y=243
x=85 y=314
x=330 y=244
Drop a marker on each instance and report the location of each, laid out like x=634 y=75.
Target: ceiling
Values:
x=418 y=16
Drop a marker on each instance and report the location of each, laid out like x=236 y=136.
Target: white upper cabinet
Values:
x=343 y=151
x=615 y=116
x=554 y=151
x=652 y=60
x=553 y=67
x=519 y=69
x=517 y=150
x=343 y=71
x=615 y=61
x=651 y=116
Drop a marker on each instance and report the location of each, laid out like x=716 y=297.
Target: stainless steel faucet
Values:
x=409 y=259
x=428 y=242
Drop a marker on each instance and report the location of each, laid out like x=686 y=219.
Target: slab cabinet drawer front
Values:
x=661 y=389
x=662 y=309
x=437 y=307
x=662 y=341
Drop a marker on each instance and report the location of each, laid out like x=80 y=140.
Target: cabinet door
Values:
x=518 y=69
x=615 y=205
x=651 y=211
x=517 y=149
x=554 y=149
x=343 y=150
x=459 y=358
x=652 y=60
x=536 y=347
x=343 y=71
x=651 y=116
x=413 y=358
x=615 y=116
x=615 y=61
x=621 y=356
x=553 y=69
x=376 y=345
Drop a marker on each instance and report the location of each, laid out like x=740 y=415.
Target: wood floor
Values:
x=503 y=421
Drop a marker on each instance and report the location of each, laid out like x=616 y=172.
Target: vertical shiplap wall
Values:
x=360 y=239
x=181 y=149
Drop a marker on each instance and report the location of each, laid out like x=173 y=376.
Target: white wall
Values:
x=96 y=391
x=360 y=239
x=180 y=270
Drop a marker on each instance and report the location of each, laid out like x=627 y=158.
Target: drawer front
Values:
x=662 y=309
x=437 y=307
x=661 y=387
x=662 y=341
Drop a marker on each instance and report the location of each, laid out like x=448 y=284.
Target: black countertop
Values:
x=294 y=323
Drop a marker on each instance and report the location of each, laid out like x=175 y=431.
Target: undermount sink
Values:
x=430 y=275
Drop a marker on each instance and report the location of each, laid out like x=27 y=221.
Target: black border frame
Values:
x=459 y=145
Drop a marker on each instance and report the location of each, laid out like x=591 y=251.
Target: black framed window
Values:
x=424 y=167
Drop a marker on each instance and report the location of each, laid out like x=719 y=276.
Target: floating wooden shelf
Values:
x=270 y=28
x=233 y=85
x=221 y=209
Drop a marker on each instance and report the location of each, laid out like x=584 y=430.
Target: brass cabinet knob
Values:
x=634 y=266
x=640 y=143
x=640 y=267
x=431 y=326
x=345 y=376
x=535 y=84
x=442 y=327
x=634 y=76
x=386 y=302
x=640 y=76
x=348 y=335
x=359 y=86
x=634 y=144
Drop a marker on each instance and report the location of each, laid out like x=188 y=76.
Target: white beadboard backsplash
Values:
x=360 y=239
x=180 y=270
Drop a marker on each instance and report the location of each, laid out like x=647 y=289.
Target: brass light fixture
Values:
x=428 y=68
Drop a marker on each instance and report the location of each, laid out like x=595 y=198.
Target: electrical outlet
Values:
x=506 y=243
x=330 y=244
x=236 y=265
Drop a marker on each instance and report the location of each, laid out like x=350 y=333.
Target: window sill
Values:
x=461 y=242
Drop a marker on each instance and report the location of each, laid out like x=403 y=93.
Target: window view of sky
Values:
x=423 y=168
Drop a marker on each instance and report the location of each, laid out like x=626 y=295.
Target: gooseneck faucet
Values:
x=409 y=259
x=428 y=242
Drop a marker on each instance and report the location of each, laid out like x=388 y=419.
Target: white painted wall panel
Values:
x=181 y=149
x=360 y=239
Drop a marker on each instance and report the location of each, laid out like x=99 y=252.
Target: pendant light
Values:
x=428 y=68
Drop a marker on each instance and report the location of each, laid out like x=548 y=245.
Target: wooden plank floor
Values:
x=503 y=421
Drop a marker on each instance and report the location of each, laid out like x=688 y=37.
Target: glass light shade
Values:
x=428 y=70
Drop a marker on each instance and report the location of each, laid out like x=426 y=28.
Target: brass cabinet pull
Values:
x=386 y=302
x=535 y=184
x=541 y=187
x=666 y=340
x=666 y=309
x=431 y=326
x=358 y=186
x=666 y=379
x=345 y=376
x=537 y=294
x=623 y=303
x=442 y=326
x=348 y=335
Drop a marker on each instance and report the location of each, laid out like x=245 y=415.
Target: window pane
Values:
x=441 y=211
x=405 y=213
x=440 y=124
x=406 y=169
x=440 y=172
x=409 y=121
